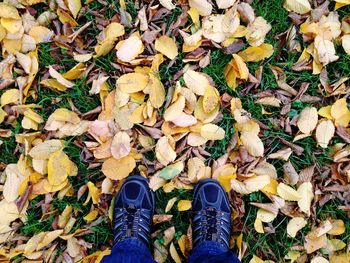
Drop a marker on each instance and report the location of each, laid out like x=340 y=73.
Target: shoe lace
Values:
x=211 y=224
x=131 y=217
x=127 y=223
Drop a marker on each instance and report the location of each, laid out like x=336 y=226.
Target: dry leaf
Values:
x=298 y=6
x=256 y=54
x=288 y=193
x=184 y=205
x=166 y=46
x=252 y=143
x=324 y=133
x=307 y=120
x=120 y=146
x=212 y=132
x=294 y=225
x=132 y=82
x=130 y=48
x=118 y=169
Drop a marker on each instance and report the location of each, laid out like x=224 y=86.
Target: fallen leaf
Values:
x=298 y=6
x=120 y=146
x=307 y=120
x=288 y=193
x=184 y=205
x=212 y=132
x=294 y=225
x=118 y=169
x=252 y=143
x=256 y=54
x=166 y=46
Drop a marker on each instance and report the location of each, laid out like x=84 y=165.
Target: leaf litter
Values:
x=177 y=119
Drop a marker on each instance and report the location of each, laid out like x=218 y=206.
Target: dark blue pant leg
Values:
x=212 y=252
x=129 y=250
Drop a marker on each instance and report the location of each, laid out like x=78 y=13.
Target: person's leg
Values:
x=212 y=252
x=129 y=250
x=211 y=224
x=133 y=212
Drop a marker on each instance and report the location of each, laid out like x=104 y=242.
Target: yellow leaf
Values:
x=10 y=96
x=170 y=204
x=58 y=168
x=325 y=50
x=82 y=57
x=104 y=47
x=256 y=259
x=8 y=11
x=298 y=6
x=252 y=143
x=305 y=190
x=114 y=30
x=265 y=216
x=194 y=14
x=120 y=146
x=338 y=227
x=167 y=4
x=48 y=238
x=225 y=180
x=340 y=113
x=74 y=7
x=118 y=169
x=288 y=193
x=132 y=82
x=75 y=72
x=346 y=43
x=65 y=216
x=256 y=183
x=324 y=133
x=294 y=225
x=175 y=109
x=165 y=150
x=64 y=17
x=93 y=192
x=14 y=178
x=203 y=7
x=156 y=92
x=130 y=48
x=173 y=253
x=307 y=120
x=326 y=112
x=319 y=260
x=313 y=242
x=210 y=99
x=53 y=83
x=43 y=150
x=270 y=188
x=184 y=205
x=258 y=226
x=56 y=75
x=340 y=258
x=3 y=114
x=41 y=34
x=212 y=132
x=196 y=81
x=166 y=46
x=256 y=54
x=257 y=31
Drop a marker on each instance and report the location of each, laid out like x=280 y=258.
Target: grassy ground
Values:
x=274 y=246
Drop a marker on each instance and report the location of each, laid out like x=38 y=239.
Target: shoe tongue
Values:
x=131 y=208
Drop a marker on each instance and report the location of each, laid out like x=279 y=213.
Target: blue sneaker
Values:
x=212 y=214
x=133 y=210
